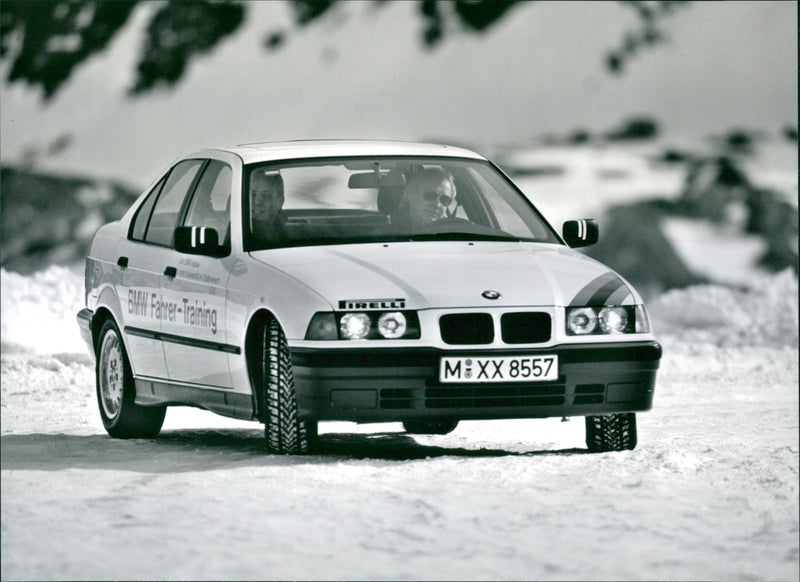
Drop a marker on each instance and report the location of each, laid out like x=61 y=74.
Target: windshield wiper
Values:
x=462 y=236
x=432 y=236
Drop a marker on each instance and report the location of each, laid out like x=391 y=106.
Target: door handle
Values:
x=170 y=272
x=122 y=262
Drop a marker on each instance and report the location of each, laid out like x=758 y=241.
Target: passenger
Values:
x=427 y=198
x=266 y=207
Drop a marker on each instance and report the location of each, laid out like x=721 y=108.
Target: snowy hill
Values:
x=49 y=219
x=671 y=216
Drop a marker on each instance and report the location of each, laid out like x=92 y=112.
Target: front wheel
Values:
x=122 y=417
x=614 y=432
x=285 y=433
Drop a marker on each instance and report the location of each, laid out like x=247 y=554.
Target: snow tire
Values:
x=116 y=391
x=436 y=426
x=614 y=432
x=285 y=433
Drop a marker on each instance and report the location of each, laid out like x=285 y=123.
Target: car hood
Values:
x=451 y=274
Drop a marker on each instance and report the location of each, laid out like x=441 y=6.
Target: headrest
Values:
x=390 y=191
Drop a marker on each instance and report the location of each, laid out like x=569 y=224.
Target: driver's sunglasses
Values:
x=444 y=199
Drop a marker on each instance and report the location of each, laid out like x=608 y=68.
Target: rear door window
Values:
x=142 y=217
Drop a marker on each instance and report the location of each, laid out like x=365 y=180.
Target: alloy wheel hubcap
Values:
x=111 y=375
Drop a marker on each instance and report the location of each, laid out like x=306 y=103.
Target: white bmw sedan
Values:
x=298 y=282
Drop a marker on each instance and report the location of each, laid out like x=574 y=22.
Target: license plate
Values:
x=499 y=369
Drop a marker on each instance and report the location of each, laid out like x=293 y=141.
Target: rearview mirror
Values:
x=374 y=180
x=363 y=180
x=581 y=233
x=198 y=240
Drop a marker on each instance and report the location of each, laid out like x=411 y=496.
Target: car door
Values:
x=141 y=260
x=195 y=339
x=138 y=289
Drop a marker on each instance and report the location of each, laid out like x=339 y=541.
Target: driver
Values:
x=426 y=199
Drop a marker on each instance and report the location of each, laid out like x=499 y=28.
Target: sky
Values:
x=365 y=74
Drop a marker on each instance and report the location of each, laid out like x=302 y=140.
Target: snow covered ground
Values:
x=710 y=493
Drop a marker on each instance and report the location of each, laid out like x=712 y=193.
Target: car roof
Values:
x=288 y=150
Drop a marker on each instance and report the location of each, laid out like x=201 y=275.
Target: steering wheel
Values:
x=462 y=226
x=442 y=224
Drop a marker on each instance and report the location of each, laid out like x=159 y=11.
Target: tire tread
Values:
x=613 y=432
x=285 y=433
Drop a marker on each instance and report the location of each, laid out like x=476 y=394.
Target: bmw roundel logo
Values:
x=490 y=294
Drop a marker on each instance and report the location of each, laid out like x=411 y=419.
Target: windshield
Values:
x=382 y=200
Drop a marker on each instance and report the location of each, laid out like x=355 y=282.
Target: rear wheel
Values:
x=436 y=426
x=284 y=432
x=614 y=432
x=122 y=417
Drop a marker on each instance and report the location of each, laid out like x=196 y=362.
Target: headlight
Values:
x=581 y=321
x=613 y=319
x=371 y=325
x=354 y=325
x=392 y=325
x=610 y=319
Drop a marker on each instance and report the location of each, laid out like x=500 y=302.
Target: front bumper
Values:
x=85 y=325
x=374 y=385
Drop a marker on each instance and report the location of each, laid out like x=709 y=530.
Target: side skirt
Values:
x=160 y=393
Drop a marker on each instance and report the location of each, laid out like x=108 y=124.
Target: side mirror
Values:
x=581 y=233
x=198 y=240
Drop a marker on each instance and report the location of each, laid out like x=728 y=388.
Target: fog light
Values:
x=392 y=325
x=581 y=321
x=354 y=325
x=613 y=319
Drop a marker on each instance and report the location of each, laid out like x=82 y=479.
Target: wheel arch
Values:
x=100 y=316
x=108 y=307
x=260 y=318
